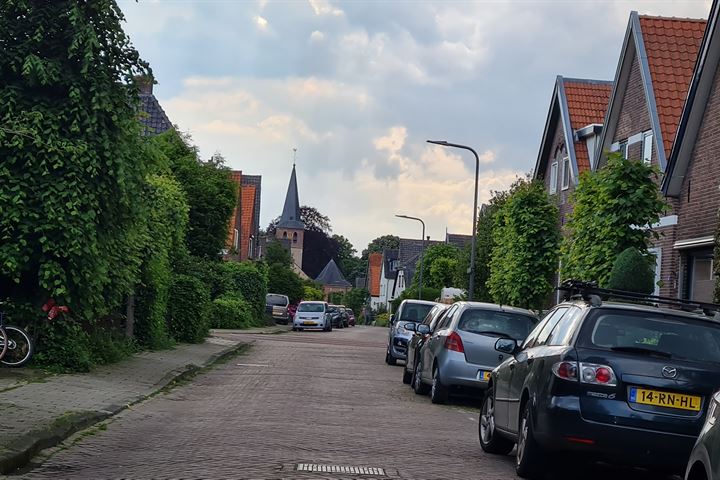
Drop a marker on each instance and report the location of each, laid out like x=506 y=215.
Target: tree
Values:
x=312 y=292
x=346 y=258
x=439 y=266
x=525 y=251
x=633 y=272
x=314 y=221
x=614 y=209
x=210 y=192
x=276 y=253
x=286 y=282
x=73 y=169
x=379 y=244
x=318 y=249
x=355 y=299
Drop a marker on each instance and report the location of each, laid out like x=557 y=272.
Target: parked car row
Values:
x=318 y=315
x=622 y=383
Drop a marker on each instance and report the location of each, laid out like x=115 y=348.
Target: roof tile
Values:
x=587 y=103
x=247 y=214
x=374 y=271
x=671 y=45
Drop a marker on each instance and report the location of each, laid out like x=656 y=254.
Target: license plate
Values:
x=308 y=323
x=484 y=375
x=665 y=399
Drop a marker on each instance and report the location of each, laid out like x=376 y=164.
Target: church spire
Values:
x=291 y=211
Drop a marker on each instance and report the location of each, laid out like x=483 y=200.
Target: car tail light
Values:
x=454 y=342
x=597 y=374
x=566 y=370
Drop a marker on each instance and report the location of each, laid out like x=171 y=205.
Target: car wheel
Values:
x=407 y=376
x=438 y=391
x=299 y=329
x=389 y=359
x=417 y=385
x=529 y=460
x=294 y=329
x=490 y=441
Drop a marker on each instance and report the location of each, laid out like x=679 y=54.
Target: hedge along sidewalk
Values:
x=41 y=414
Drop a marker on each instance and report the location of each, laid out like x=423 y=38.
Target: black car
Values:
x=419 y=337
x=337 y=318
x=619 y=382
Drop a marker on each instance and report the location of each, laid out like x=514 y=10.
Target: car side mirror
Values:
x=423 y=329
x=411 y=327
x=392 y=319
x=506 y=345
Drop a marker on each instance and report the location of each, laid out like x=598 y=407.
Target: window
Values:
x=437 y=320
x=553 y=177
x=448 y=318
x=295 y=237
x=565 y=329
x=542 y=338
x=623 y=148
x=284 y=234
x=566 y=173
x=647 y=147
x=496 y=323
x=236 y=238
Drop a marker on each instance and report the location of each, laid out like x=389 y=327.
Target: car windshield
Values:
x=311 y=307
x=415 y=312
x=491 y=322
x=662 y=335
x=276 y=300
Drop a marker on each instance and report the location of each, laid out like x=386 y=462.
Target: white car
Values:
x=312 y=315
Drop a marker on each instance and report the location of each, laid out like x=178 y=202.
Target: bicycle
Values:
x=15 y=345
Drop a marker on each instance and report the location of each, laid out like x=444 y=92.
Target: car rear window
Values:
x=276 y=300
x=514 y=325
x=415 y=312
x=311 y=307
x=645 y=333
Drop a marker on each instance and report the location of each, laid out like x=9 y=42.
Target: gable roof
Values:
x=290 y=217
x=154 y=120
x=247 y=218
x=374 y=271
x=236 y=178
x=666 y=49
x=332 y=276
x=389 y=255
x=576 y=103
x=693 y=111
x=458 y=239
x=256 y=181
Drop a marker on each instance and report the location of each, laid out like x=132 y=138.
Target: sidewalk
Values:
x=39 y=412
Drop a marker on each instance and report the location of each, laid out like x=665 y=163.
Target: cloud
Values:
x=317 y=36
x=261 y=23
x=323 y=7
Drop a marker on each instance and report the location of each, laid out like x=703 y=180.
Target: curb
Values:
x=22 y=450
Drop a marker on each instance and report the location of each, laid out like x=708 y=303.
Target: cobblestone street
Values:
x=323 y=398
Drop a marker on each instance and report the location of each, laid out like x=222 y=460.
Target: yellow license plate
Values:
x=665 y=399
x=308 y=323
x=484 y=376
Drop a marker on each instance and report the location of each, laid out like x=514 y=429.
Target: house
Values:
x=388 y=276
x=243 y=226
x=332 y=280
x=572 y=128
x=457 y=239
x=154 y=120
x=692 y=178
x=408 y=256
x=375 y=261
x=651 y=83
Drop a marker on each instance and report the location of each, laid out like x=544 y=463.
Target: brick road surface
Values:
x=310 y=397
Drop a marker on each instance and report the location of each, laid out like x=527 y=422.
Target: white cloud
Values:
x=323 y=7
x=317 y=36
x=261 y=22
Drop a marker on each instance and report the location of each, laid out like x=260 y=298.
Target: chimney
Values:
x=145 y=84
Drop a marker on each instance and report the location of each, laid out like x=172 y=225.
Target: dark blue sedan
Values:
x=623 y=383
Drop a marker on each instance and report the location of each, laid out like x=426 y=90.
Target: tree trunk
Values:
x=130 y=316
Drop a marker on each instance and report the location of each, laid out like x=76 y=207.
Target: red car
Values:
x=351 y=317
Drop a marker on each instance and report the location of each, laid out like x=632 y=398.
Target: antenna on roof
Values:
x=294 y=156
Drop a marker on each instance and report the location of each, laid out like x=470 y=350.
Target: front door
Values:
x=701 y=277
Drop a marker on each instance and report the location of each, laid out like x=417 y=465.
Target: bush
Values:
x=108 y=346
x=63 y=346
x=311 y=292
x=212 y=273
x=382 y=320
x=248 y=280
x=632 y=272
x=189 y=305
x=283 y=280
x=232 y=312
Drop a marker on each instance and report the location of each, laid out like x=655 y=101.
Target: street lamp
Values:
x=443 y=143
x=422 y=251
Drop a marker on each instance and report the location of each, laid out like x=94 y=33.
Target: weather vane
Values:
x=294 y=155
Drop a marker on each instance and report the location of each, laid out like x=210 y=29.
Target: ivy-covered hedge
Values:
x=249 y=280
x=189 y=305
x=232 y=312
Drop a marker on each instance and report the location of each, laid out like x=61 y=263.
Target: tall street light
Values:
x=422 y=251
x=443 y=143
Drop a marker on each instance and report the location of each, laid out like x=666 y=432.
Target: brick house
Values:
x=693 y=175
x=375 y=261
x=243 y=226
x=332 y=280
x=154 y=120
x=568 y=145
x=388 y=276
x=651 y=83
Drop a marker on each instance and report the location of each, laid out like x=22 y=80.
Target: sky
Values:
x=357 y=87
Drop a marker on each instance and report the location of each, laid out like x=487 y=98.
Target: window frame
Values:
x=566 y=171
x=647 y=135
x=553 y=177
x=554 y=318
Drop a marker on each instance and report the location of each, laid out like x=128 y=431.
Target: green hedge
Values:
x=189 y=306
x=249 y=280
x=232 y=312
x=382 y=320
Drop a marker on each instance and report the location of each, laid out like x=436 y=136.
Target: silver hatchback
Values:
x=461 y=351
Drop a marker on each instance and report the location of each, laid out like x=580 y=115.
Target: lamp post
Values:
x=443 y=143
x=422 y=251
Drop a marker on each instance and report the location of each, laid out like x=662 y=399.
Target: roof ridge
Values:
x=586 y=80
x=678 y=19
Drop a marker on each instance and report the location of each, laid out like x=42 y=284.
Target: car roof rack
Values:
x=590 y=292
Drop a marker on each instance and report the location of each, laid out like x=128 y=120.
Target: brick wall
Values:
x=634 y=117
x=562 y=197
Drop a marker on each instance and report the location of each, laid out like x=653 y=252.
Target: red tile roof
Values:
x=235 y=176
x=374 y=271
x=247 y=214
x=587 y=103
x=672 y=46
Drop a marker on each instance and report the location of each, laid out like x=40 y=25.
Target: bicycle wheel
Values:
x=3 y=342
x=19 y=347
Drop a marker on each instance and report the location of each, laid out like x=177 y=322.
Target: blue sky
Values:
x=358 y=86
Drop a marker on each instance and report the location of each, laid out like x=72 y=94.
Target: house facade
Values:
x=388 y=277
x=332 y=280
x=650 y=87
x=243 y=226
x=692 y=180
x=375 y=261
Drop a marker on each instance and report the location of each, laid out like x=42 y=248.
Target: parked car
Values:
x=409 y=311
x=704 y=461
x=312 y=315
x=277 y=305
x=345 y=315
x=421 y=333
x=620 y=382
x=351 y=317
x=336 y=316
x=461 y=351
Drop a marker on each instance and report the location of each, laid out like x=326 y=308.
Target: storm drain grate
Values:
x=314 y=467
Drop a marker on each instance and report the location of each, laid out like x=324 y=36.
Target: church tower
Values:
x=291 y=228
